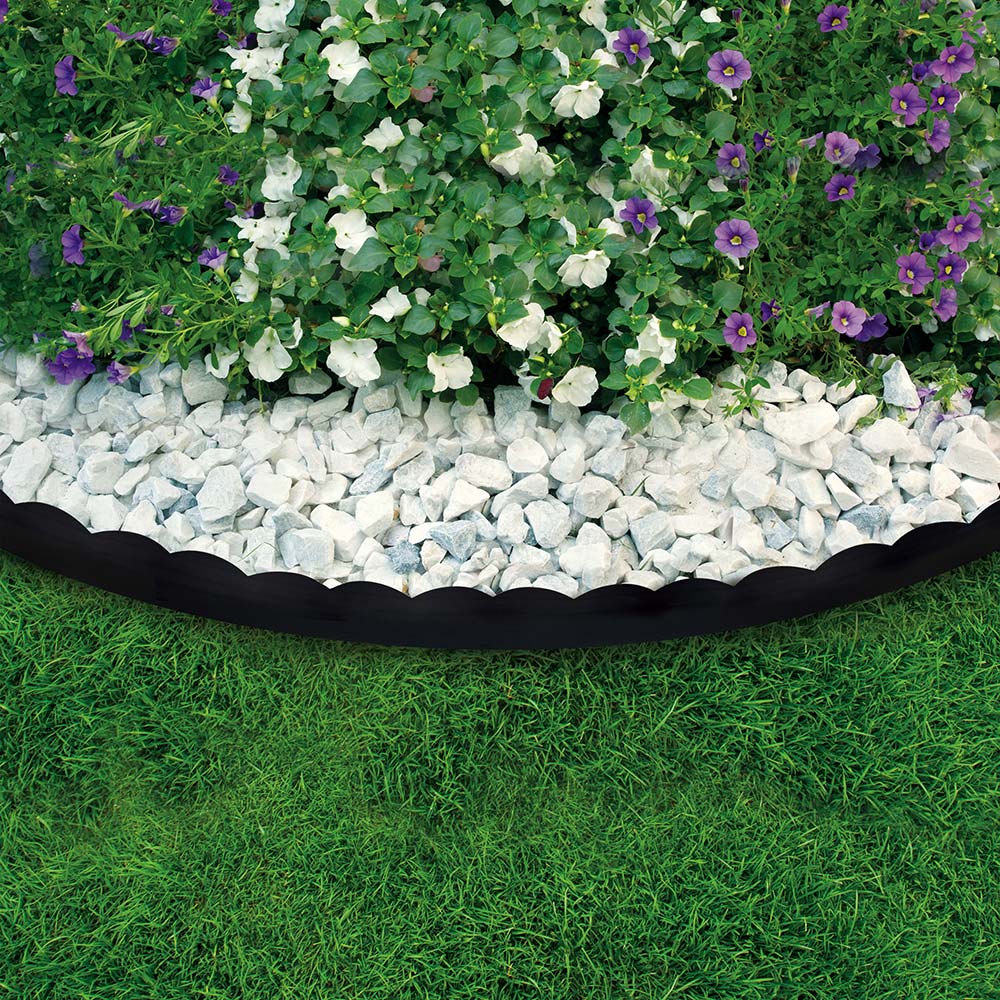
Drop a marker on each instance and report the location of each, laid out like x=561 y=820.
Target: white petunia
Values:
x=272 y=14
x=710 y=16
x=686 y=218
x=527 y=161
x=238 y=118
x=582 y=100
x=387 y=135
x=648 y=176
x=522 y=333
x=590 y=269
x=577 y=386
x=345 y=60
x=259 y=64
x=593 y=13
x=268 y=233
x=352 y=229
x=393 y=304
x=267 y=359
x=282 y=173
x=651 y=343
x=680 y=48
x=226 y=359
x=450 y=371
x=354 y=361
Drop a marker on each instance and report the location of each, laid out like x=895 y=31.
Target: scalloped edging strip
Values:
x=202 y=584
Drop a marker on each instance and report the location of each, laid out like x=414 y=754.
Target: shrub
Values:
x=572 y=194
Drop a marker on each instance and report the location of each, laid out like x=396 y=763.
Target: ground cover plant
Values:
x=606 y=201
x=804 y=810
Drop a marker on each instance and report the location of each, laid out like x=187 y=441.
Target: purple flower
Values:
x=792 y=165
x=833 y=17
x=768 y=310
x=71 y=366
x=979 y=28
x=913 y=271
x=951 y=267
x=739 y=331
x=810 y=142
x=79 y=342
x=873 y=326
x=818 y=311
x=946 y=306
x=954 y=62
x=227 y=175
x=222 y=8
x=72 y=244
x=641 y=212
x=118 y=33
x=171 y=214
x=736 y=238
x=762 y=140
x=920 y=71
x=38 y=260
x=130 y=206
x=633 y=43
x=906 y=101
x=868 y=157
x=927 y=241
x=167 y=310
x=840 y=187
x=961 y=232
x=163 y=45
x=732 y=160
x=66 y=77
x=213 y=257
x=841 y=149
x=847 y=318
x=159 y=140
x=4 y=10
x=945 y=98
x=206 y=88
x=729 y=68
x=128 y=331
x=938 y=136
x=117 y=372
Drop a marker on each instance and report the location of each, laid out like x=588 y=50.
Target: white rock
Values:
x=801 y=424
x=487 y=473
x=594 y=495
x=268 y=490
x=884 y=438
x=752 y=490
x=568 y=466
x=222 y=493
x=526 y=455
x=199 y=386
x=464 y=497
x=549 y=520
x=968 y=455
x=28 y=466
x=106 y=512
x=375 y=513
x=941 y=482
x=898 y=388
x=854 y=410
x=810 y=488
x=342 y=528
x=100 y=472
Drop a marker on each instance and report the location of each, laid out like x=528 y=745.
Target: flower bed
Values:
x=611 y=294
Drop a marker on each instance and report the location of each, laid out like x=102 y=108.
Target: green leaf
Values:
x=635 y=416
x=419 y=320
x=371 y=256
x=727 y=295
x=697 y=388
x=363 y=87
x=720 y=125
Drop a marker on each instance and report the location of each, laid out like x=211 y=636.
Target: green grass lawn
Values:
x=193 y=810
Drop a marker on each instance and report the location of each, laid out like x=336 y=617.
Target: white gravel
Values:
x=416 y=495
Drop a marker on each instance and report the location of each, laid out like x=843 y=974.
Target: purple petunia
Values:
x=736 y=238
x=961 y=232
x=66 y=77
x=833 y=17
x=38 y=260
x=641 y=212
x=920 y=71
x=810 y=141
x=171 y=214
x=732 y=160
x=162 y=45
x=868 y=157
x=729 y=68
x=938 y=136
x=792 y=165
x=841 y=149
x=206 y=88
x=945 y=98
x=117 y=372
x=847 y=318
x=739 y=332
x=129 y=331
x=227 y=175
x=159 y=140
x=817 y=311
x=913 y=271
x=927 y=241
x=4 y=10
x=71 y=365
x=222 y=8
x=906 y=101
x=873 y=326
x=840 y=187
x=762 y=140
x=946 y=306
x=633 y=43
x=72 y=245
x=768 y=310
x=954 y=62
x=213 y=257
x=951 y=267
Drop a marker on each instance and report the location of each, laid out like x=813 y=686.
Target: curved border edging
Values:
x=206 y=585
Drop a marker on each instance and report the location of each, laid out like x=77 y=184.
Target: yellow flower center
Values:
x=728 y=71
x=641 y=217
x=742 y=331
x=947 y=269
x=902 y=105
x=835 y=22
x=736 y=241
x=634 y=47
x=959 y=228
x=909 y=273
x=951 y=59
x=735 y=161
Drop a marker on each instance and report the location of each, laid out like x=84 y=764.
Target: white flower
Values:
x=577 y=386
x=422 y=295
x=282 y=173
x=267 y=359
x=648 y=176
x=527 y=160
x=259 y=64
x=652 y=344
x=605 y=58
x=984 y=332
x=686 y=218
x=372 y=11
x=345 y=59
x=522 y=333
x=271 y=14
x=268 y=233
x=450 y=371
x=352 y=229
x=582 y=100
x=563 y=61
x=387 y=134
x=394 y=303
x=593 y=14
x=717 y=184
x=590 y=269
x=354 y=361
x=611 y=225
x=679 y=48
x=710 y=16
x=238 y=117
x=226 y=360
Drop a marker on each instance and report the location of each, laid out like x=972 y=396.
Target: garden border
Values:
x=462 y=618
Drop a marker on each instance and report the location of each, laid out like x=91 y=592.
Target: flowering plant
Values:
x=605 y=200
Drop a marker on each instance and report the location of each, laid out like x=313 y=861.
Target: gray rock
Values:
x=868 y=518
x=309 y=548
x=100 y=472
x=404 y=557
x=222 y=493
x=488 y=473
x=457 y=538
x=199 y=386
x=549 y=520
x=309 y=383
x=653 y=531
x=898 y=388
x=375 y=476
